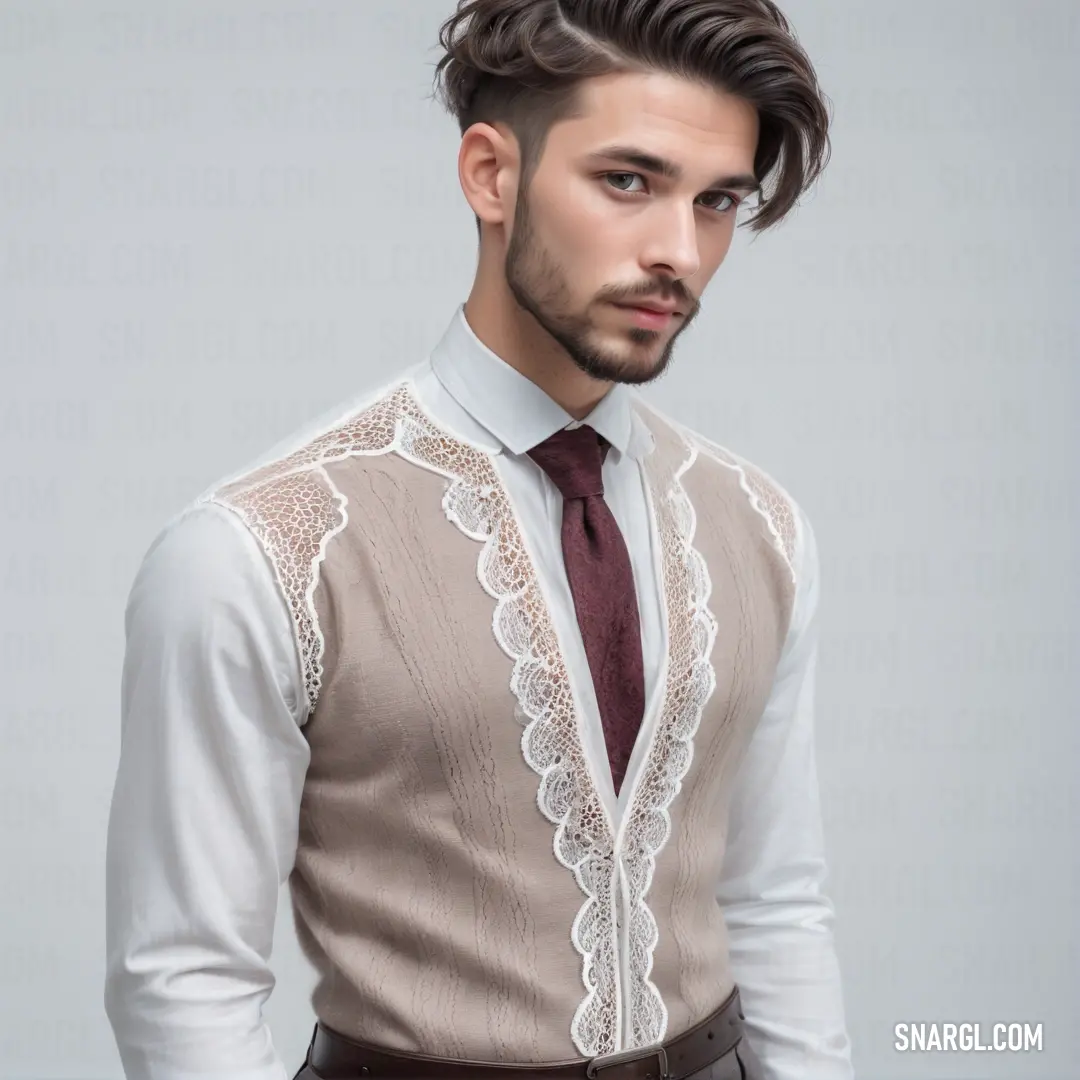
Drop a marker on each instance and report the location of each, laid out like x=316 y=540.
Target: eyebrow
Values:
x=658 y=166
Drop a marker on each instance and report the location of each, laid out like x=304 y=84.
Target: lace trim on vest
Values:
x=691 y=680
x=765 y=495
x=294 y=516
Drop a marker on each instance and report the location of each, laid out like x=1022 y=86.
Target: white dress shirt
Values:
x=205 y=811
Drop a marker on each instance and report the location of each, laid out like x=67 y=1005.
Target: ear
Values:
x=489 y=169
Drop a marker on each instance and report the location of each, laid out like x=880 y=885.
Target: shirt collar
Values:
x=513 y=409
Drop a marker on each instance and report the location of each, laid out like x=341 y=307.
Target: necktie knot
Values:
x=573 y=458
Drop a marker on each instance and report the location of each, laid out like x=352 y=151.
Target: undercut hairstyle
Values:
x=520 y=62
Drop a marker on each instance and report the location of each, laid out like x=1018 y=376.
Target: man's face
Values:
x=593 y=232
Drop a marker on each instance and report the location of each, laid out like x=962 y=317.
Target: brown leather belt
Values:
x=334 y=1057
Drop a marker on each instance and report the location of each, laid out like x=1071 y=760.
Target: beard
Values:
x=536 y=281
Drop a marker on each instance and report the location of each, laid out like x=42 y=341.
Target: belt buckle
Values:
x=598 y=1064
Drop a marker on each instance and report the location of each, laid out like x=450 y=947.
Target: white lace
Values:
x=295 y=516
x=691 y=680
x=691 y=635
x=765 y=495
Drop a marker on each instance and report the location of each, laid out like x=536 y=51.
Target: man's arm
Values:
x=204 y=817
x=779 y=920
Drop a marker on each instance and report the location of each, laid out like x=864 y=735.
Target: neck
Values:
x=515 y=336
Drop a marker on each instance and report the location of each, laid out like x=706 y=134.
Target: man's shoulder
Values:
x=282 y=497
x=766 y=494
x=709 y=452
x=346 y=427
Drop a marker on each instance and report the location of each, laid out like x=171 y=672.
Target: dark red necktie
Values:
x=602 y=584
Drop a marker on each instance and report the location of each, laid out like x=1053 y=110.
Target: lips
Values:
x=653 y=306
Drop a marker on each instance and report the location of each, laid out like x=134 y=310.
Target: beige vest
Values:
x=460 y=885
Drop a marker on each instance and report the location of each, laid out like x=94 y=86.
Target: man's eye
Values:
x=719 y=197
x=619 y=176
x=720 y=201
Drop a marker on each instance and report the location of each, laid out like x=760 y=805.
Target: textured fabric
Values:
x=602 y=585
x=443 y=915
x=214 y=701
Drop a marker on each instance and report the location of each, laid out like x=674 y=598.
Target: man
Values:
x=508 y=674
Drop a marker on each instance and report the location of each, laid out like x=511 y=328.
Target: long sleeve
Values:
x=204 y=818
x=778 y=917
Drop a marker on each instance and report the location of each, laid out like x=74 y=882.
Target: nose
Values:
x=673 y=243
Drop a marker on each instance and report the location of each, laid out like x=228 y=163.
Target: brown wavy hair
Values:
x=520 y=62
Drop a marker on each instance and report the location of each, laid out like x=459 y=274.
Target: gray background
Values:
x=220 y=219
